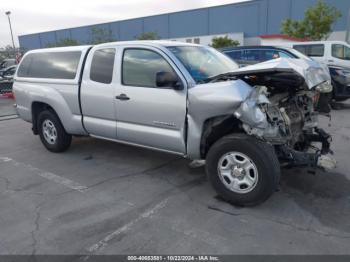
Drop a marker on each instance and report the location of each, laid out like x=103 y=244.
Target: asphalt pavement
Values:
x=6 y=107
x=105 y=198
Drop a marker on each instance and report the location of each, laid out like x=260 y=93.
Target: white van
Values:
x=333 y=53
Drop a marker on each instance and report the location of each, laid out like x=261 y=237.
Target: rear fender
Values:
x=59 y=97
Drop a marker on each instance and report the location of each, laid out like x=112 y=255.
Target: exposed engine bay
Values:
x=274 y=102
x=281 y=111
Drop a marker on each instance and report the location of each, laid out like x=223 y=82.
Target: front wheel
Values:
x=52 y=133
x=244 y=171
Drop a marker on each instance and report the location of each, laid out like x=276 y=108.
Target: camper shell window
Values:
x=54 y=65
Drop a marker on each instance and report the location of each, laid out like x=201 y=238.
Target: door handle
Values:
x=122 y=97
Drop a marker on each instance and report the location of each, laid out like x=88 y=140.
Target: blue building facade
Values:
x=252 y=18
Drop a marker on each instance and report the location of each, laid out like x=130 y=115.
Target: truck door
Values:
x=147 y=114
x=97 y=93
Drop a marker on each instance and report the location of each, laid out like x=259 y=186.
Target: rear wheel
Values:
x=52 y=133
x=335 y=97
x=341 y=99
x=324 y=103
x=243 y=170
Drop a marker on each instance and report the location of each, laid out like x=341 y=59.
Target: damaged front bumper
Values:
x=257 y=122
x=319 y=158
x=286 y=118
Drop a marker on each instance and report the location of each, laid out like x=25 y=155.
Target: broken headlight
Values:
x=325 y=87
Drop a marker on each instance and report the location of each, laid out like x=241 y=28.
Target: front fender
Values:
x=208 y=101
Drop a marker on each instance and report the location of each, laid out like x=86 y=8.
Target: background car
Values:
x=332 y=53
x=7 y=63
x=6 y=79
x=9 y=71
x=248 y=55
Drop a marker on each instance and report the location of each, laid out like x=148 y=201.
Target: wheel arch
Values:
x=215 y=128
x=260 y=153
x=71 y=122
x=36 y=108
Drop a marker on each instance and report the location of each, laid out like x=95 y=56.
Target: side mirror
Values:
x=168 y=79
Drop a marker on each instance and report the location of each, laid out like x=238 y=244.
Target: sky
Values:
x=32 y=16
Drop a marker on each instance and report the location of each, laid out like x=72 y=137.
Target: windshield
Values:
x=203 y=62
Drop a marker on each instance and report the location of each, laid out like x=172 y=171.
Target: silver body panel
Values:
x=164 y=119
x=61 y=95
x=313 y=72
x=98 y=103
x=210 y=100
x=153 y=117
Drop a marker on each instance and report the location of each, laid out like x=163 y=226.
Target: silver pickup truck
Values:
x=183 y=99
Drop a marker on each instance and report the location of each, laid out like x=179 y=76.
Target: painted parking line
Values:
x=47 y=175
x=8 y=117
x=104 y=242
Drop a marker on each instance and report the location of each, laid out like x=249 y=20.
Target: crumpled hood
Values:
x=312 y=71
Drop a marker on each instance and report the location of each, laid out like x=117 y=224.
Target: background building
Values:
x=244 y=22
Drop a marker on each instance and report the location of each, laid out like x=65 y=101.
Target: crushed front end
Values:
x=281 y=111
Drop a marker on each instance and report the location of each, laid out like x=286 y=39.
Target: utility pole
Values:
x=8 y=13
x=348 y=29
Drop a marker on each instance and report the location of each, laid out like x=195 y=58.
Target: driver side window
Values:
x=140 y=67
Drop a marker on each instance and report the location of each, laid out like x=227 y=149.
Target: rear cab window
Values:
x=51 y=65
x=102 y=65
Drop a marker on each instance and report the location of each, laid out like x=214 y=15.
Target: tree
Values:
x=225 y=41
x=8 y=52
x=316 y=25
x=100 y=35
x=148 y=36
x=63 y=42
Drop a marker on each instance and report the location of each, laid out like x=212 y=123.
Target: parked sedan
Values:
x=7 y=63
x=248 y=55
x=6 y=79
x=340 y=82
x=8 y=71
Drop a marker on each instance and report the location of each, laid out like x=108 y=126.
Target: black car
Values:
x=9 y=71
x=6 y=63
x=249 y=55
x=6 y=79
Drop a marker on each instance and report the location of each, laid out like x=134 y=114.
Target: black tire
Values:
x=261 y=154
x=335 y=97
x=324 y=103
x=341 y=99
x=63 y=140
